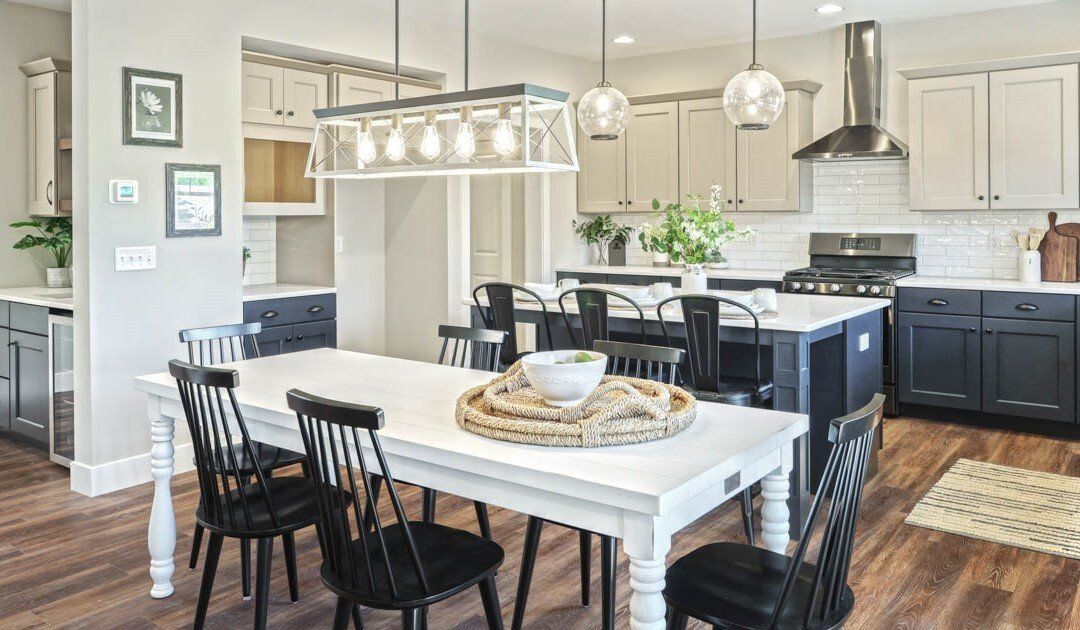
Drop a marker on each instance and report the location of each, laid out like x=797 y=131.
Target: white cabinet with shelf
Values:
x=48 y=146
x=999 y=140
x=767 y=178
x=273 y=95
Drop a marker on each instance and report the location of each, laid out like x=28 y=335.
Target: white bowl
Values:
x=562 y=385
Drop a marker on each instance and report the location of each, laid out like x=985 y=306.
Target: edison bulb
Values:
x=465 y=143
x=504 y=137
x=365 y=148
x=395 y=145
x=754 y=99
x=430 y=145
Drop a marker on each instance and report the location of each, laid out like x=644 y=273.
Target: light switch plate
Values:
x=136 y=258
x=864 y=342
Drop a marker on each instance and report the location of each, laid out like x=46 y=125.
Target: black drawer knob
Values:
x=974 y=329
x=288 y=339
x=988 y=331
x=981 y=197
x=299 y=337
x=315 y=309
x=1026 y=307
x=938 y=302
x=269 y=315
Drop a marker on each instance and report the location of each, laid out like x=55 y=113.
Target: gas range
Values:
x=844 y=281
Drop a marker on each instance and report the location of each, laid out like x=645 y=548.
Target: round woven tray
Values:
x=621 y=410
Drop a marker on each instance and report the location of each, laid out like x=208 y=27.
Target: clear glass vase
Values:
x=601 y=254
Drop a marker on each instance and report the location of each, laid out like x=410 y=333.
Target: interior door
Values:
x=353 y=90
x=304 y=92
x=263 y=93
x=41 y=125
x=767 y=176
x=601 y=180
x=490 y=230
x=1033 y=138
x=652 y=155
x=706 y=149
x=949 y=143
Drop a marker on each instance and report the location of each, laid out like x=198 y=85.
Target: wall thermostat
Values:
x=123 y=191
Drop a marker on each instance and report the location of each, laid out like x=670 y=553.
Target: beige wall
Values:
x=26 y=33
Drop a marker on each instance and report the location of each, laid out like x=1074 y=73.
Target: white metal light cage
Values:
x=520 y=128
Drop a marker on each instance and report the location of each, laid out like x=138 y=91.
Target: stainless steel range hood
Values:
x=861 y=137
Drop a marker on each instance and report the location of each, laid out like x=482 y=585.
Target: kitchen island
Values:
x=823 y=354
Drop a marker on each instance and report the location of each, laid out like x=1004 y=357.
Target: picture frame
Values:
x=192 y=200
x=153 y=108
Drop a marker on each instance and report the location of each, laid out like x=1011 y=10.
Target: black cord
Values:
x=466 y=45
x=753 y=32
x=603 y=42
x=397 y=47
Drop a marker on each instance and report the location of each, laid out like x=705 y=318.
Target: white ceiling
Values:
x=573 y=26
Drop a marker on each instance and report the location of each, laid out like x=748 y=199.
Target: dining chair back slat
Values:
x=499 y=314
x=656 y=363
x=478 y=348
x=213 y=345
x=701 y=319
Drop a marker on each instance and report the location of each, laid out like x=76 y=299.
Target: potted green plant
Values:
x=54 y=235
x=601 y=231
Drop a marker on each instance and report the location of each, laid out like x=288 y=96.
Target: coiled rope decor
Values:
x=621 y=410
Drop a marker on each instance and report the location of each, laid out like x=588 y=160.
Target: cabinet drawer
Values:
x=3 y=313
x=944 y=301
x=27 y=318
x=1061 y=308
x=293 y=310
x=739 y=284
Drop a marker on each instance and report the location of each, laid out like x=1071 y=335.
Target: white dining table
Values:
x=642 y=494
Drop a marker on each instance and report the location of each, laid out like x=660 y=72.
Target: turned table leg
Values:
x=161 y=539
x=647 y=546
x=774 y=511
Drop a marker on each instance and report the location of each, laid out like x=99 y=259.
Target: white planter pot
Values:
x=58 y=277
x=660 y=259
x=694 y=279
x=1030 y=267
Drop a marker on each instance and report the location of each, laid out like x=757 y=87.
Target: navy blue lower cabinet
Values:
x=29 y=386
x=5 y=405
x=315 y=335
x=940 y=360
x=1028 y=368
x=274 y=340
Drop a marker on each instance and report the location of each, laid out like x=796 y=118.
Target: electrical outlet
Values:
x=864 y=342
x=136 y=258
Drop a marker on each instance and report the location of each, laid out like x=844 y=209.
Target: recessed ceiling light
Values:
x=623 y=39
x=829 y=9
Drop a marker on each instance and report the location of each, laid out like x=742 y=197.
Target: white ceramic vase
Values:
x=694 y=279
x=58 y=277
x=1030 y=266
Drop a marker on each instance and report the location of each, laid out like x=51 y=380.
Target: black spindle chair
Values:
x=230 y=506
x=652 y=362
x=735 y=586
x=593 y=310
x=407 y=566
x=499 y=315
x=223 y=344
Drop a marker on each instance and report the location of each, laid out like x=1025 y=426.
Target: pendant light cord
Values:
x=603 y=42
x=397 y=47
x=753 y=32
x=466 y=45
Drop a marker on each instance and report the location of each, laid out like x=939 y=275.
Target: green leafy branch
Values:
x=52 y=234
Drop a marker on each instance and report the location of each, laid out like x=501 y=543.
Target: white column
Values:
x=161 y=539
x=774 y=511
x=647 y=544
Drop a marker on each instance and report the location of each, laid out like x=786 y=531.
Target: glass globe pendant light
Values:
x=603 y=112
x=754 y=98
x=429 y=144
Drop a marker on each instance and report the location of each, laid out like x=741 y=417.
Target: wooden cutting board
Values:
x=1059 y=252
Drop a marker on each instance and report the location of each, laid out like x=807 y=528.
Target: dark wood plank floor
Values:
x=67 y=561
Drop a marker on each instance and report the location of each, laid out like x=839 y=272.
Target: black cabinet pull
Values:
x=1026 y=307
x=277 y=112
x=48 y=193
x=938 y=302
x=269 y=315
x=974 y=329
x=315 y=309
x=997 y=197
x=289 y=113
x=988 y=331
x=729 y=200
x=299 y=337
x=288 y=339
x=981 y=197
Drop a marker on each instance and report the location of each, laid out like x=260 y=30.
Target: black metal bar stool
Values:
x=593 y=308
x=499 y=315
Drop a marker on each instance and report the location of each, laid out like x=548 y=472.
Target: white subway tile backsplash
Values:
x=260 y=237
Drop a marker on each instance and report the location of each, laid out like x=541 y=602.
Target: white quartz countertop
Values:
x=980 y=284
x=40 y=296
x=275 y=291
x=797 y=312
x=646 y=270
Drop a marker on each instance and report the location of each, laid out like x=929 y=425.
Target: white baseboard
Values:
x=124 y=473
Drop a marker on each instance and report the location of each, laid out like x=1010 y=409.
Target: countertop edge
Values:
x=64 y=304
x=643 y=270
x=286 y=291
x=985 y=284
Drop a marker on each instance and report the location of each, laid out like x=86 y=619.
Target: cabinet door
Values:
x=275 y=340
x=5 y=405
x=601 y=181
x=652 y=155
x=1033 y=138
x=30 y=386
x=1028 y=369
x=939 y=359
x=706 y=149
x=304 y=92
x=263 y=93
x=5 y=353
x=314 y=335
x=409 y=90
x=353 y=90
x=41 y=145
x=949 y=143
x=767 y=178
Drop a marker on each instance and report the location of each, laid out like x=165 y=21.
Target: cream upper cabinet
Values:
x=41 y=146
x=652 y=155
x=949 y=142
x=601 y=182
x=767 y=178
x=303 y=93
x=706 y=149
x=1033 y=138
x=409 y=90
x=350 y=89
x=263 y=93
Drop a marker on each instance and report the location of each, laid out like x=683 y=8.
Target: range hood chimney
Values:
x=861 y=137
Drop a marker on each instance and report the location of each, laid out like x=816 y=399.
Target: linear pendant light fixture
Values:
x=603 y=112
x=754 y=98
x=521 y=128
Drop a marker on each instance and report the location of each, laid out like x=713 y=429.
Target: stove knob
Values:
x=809 y=286
x=875 y=290
x=861 y=288
x=795 y=286
x=835 y=288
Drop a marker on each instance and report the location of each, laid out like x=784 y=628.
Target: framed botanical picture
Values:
x=192 y=200
x=153 y=108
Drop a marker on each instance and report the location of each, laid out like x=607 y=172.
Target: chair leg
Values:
x=245 y=567
x=423 y=618
x=213 y=552
x=429 y=505
x=585 y=551
x=528 y=561
x=288 y=541
x=607 y=580
x=341 y=614
x=492 y=610
x=747 y=515
x=482 y=519
x=357 y=618
x=410 y=619
x=676 y=620
x=196 y=542
x=265 y=549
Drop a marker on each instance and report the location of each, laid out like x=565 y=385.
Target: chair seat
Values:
x=270 y=458
x=453 y=559
x=735 y=391
x=293 y=498
x=735 y=586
